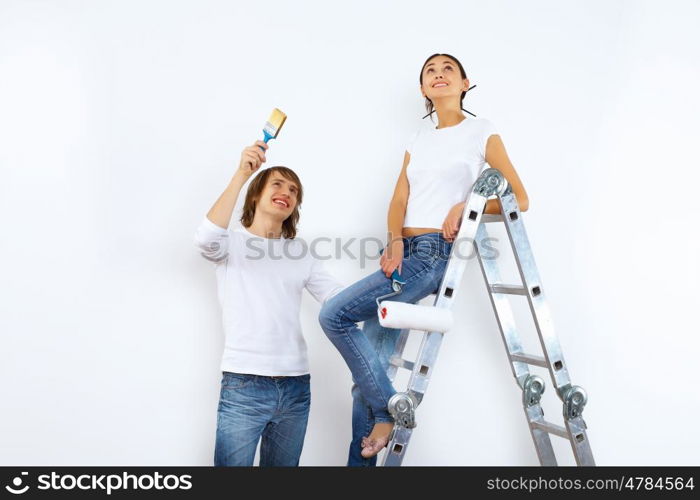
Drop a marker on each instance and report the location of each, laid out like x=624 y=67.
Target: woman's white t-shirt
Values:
x=444 y=165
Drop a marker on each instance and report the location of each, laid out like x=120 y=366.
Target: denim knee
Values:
x=328 y=317
x=356 y=394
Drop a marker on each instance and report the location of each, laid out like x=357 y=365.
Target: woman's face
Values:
x=442 y=78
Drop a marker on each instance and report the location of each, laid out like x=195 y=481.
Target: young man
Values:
x=261 y=270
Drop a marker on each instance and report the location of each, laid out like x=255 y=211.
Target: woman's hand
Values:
x=450 y=227
x=392 y=258
x=252 y=158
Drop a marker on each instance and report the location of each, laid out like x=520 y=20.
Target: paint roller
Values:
x=393 y=314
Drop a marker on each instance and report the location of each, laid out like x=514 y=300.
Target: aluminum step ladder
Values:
x=491 y=184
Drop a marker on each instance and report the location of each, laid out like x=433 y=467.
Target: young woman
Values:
x=440 y=165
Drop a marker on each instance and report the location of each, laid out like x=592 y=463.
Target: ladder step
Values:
x=530 y=359
x=401 y=363
x=509 y=289
x=491 y=218
x=551 y=428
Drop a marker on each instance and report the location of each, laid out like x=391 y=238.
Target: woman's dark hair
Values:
x=428 y=103
x=255 y=189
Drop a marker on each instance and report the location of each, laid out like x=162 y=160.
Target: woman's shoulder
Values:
x=415 y=131
x=419 y=126
x=480 y=121
x=484 y=123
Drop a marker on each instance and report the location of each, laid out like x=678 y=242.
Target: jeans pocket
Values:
x=232 y=380
x=424 y=250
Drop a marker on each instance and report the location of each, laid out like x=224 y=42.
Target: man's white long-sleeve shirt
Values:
x=260 y=281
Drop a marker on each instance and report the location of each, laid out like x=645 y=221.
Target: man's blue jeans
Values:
x=366 y=352
x=255 y=406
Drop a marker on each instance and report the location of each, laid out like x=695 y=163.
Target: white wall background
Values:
x=122 y=121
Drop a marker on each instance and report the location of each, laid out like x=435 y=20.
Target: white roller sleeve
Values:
x=401 y=315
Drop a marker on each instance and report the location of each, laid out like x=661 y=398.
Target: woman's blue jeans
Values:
x=424 y=261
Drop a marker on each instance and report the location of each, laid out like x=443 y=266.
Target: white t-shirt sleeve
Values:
x=412 y=139
x=321 y=284
x=488 y=129
x=212 y=240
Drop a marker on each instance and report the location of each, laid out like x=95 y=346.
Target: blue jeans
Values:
x=255 y=406
x=383 y=341
x=366 y=352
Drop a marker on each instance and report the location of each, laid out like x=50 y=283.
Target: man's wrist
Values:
x=239 y=179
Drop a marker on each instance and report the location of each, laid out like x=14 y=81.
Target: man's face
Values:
x=279 y=197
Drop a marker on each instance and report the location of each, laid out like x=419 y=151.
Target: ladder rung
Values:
x=491 y=218
x=530 y=359
x=401 y=363
x=510 y=289
x=551 y=428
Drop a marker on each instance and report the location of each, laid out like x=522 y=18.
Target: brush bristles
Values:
x=275 y=122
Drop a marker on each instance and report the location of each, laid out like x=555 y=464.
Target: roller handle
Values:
x=397 y=277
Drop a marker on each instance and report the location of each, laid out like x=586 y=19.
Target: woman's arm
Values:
x=497 y=158
x=392 y=258
x=399 y=201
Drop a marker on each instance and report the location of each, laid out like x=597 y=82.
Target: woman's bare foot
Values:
x=377 y=439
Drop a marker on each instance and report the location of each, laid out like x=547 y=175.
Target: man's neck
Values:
x=266 y=227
